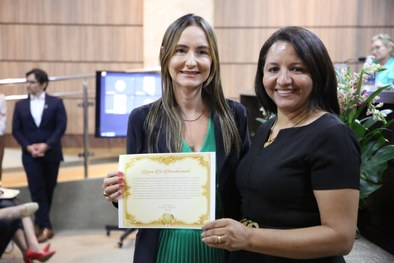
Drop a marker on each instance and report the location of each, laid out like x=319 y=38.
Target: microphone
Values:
x=355 y=60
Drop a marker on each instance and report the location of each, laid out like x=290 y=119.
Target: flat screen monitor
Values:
x=117 y=94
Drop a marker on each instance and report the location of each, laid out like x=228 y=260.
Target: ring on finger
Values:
x=105 y=194
x=219 y=239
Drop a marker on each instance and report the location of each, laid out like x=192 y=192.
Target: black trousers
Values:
x=7 y=232
x=42 y=180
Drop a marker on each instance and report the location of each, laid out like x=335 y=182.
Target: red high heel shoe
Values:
x=31 y=255
x=47 y=246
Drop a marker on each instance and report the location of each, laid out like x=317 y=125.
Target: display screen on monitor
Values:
x=117 y=94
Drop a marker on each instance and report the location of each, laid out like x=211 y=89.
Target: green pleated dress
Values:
x=185 y=245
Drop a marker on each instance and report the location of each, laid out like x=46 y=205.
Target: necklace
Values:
x=196 y=119
x=194 y=135
x=271 y=138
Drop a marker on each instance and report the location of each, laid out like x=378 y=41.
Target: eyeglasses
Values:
x=375 y=47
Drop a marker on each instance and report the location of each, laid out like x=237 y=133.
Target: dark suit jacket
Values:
x=52 y=127
x=147 y=239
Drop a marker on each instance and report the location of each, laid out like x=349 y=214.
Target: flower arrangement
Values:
x=360 y=111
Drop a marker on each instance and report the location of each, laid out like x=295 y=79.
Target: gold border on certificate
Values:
x=171 y=190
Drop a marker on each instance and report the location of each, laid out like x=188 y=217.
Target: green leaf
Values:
x=367 y=188
x=384 y=154
x=359 y=129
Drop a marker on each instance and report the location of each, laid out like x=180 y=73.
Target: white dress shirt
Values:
x=37 y=107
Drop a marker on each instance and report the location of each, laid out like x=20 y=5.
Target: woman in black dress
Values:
x=299 y=181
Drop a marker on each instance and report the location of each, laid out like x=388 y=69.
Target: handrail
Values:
x=54 y=78
x=56 y=94
x=68 y=77
x=12 y=81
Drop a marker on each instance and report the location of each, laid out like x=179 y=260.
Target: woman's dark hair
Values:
x=311 y=50
x=40 y=75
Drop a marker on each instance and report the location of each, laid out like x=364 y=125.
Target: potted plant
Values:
x=360 y=111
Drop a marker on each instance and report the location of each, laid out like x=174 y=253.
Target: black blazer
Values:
x=146 y=246
x=52 y=127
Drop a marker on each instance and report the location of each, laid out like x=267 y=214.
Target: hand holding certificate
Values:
x=172 y=190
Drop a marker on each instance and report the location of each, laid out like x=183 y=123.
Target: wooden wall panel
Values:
x=71 y=43
x=241 y=80
x=345 y=27
x=240 y=45
x=118 y=12
x=277 y=13
x=67 y=38
x=252 y=39
x=371 y=13
x=17 y=69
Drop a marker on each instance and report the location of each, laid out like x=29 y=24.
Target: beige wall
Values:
x=76 y=37
x=345 y=27
x=158 y=15
x=70 y=37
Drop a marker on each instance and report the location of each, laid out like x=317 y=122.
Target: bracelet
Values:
x=249 y=223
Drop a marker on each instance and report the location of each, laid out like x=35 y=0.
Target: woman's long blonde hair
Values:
x=165 y=115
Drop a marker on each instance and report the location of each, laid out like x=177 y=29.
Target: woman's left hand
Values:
x=226 y=233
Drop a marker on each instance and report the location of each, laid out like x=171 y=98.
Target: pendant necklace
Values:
x=271 y=138
x=191 y=139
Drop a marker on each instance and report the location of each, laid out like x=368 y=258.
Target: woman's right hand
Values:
x=113 y=186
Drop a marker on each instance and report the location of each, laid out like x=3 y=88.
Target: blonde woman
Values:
x=192 y=115
x=382 y=47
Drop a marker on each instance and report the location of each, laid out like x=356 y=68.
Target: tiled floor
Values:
x=96 y=247
x=83 y=247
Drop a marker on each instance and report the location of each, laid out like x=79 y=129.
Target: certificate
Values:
x=170 y=190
